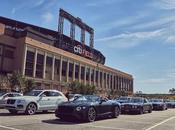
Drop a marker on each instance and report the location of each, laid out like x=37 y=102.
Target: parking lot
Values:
x=157 y=120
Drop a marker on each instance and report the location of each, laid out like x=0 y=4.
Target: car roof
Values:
x=46 y=90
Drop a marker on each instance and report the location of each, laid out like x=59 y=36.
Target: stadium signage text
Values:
x=80 y=50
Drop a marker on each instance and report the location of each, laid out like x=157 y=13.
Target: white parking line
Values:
x=104 y=127
x=10 y=128
x=160 y=123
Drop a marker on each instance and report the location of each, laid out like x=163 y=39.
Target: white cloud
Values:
x=153 y=81
x=100 y=3
x=47 y=17
x=156 y=23
x=171 y=74
x=127 y=40
x=38 y=3
x=171 y=39
x=165 y=4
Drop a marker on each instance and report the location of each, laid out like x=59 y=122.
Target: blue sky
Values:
x=136 y=36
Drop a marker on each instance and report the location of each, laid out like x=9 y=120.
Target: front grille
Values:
x=65 y=109
x=11 y=101
x=155 y=105
x=127 y=106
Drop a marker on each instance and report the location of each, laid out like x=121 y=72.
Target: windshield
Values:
x=123 y=98
x=2 y=93
x=156 y=100
x=135 y=100
x=33 y=93
x=88 y=98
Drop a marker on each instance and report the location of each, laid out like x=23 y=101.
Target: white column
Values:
x=44 y=65
x=90 y=75
x=85 y=74
x=35 y=60
x=94 y=76
x=106 y=81
x=79 y=74
x=109 y=81
x=53 y=67
x=24 y=61
x=73 y=76
x=99 y=78
x=112 y=81
x=60 y=69
x=103 y=80
x=67 y=71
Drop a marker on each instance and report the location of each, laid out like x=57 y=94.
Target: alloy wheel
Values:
x=91 y=114
x=116 y=112
x=31 y=109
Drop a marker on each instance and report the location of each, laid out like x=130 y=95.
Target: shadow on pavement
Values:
x=63 y=122
x=23 y=114
x=72 y=121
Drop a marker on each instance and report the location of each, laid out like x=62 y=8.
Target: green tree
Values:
x=17 y=81
x=3 y=82
x=29 y=85
x=172 y=91
x=80 y=88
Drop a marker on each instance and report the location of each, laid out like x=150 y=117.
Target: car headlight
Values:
x=80 y=108
x=20 y=101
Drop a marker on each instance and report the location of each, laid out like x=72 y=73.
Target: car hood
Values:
x=76 y=103
x=122 y=101
x=170 y=102
x=132 y=104
x=157 y=103
x=24 y=98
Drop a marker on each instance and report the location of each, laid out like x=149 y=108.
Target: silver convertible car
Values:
x=36 y=100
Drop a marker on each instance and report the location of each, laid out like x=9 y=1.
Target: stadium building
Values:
x=53 y=59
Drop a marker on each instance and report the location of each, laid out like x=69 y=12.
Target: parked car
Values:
x=73 y=96
x=123 y=99
x=158 y=104
x=88 y=108
x=5 y=95
x=170 y=103
x=137 y=104
x=36 y=100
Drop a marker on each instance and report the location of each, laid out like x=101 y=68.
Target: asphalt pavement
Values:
x=157 y=120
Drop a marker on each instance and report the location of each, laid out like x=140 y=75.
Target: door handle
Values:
x=48 y=99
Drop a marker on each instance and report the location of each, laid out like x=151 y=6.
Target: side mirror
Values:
x=42 y=95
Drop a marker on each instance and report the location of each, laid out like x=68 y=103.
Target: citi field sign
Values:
x=83 y=52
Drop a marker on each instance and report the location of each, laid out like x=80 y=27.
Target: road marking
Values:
x=104 y=127
x=160 y=123
x=10 y=128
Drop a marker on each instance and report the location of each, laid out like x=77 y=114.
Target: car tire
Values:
x=116 y=112
x=31 y=109
x=141 y=111
x=150 y=110
x=13 y=111
x=163 y=108
x=91 y=114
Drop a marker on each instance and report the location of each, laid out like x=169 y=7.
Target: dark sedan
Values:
x=158 y=104
x=123 y=99
x=88 y=108
x=137 y=104
x=170 y=103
